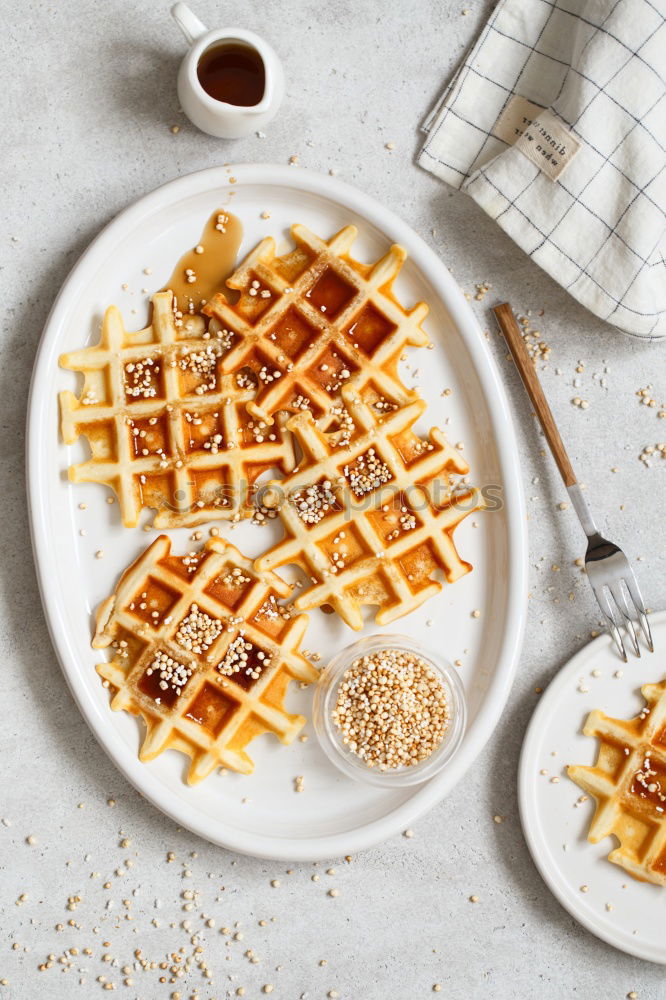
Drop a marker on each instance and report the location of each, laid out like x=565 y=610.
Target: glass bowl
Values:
x=350 y=763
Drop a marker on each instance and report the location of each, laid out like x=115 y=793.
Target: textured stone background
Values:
x=90 y=97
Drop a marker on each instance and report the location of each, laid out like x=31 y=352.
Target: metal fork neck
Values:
x=583 y=511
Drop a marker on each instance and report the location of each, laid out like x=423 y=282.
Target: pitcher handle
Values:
x=189 y=23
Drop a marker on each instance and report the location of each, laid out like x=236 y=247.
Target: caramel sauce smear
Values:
x=203 y=270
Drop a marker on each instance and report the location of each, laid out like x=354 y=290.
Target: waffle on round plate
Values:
x=166 y=429
x=629 y=785
x=204 y=648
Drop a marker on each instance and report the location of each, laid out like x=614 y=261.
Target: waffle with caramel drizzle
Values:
x=167 y=430
x=203 y=649
x=628 y=782
x=314 y=320
x=370 y=522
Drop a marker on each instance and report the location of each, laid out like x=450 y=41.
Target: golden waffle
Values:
x=166 y=429
x=629 y=785
x=315 y=319
x=204 y=650
x=370 y=522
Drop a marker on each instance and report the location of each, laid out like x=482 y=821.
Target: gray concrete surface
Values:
x=89 y=90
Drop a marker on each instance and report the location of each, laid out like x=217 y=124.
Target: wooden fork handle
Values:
x=514 y=338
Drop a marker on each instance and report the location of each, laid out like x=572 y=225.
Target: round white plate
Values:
x=628 y=914
x=261 y=814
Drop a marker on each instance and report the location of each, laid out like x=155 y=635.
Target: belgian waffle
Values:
x=203 y=649
x=629 y=785
x=166 y=429
x=315 y=319
x=371 y=521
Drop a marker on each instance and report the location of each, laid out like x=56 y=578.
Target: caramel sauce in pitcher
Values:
x=233 y=73
x=203 y=270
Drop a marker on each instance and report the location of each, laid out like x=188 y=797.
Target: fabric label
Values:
x=539 y=134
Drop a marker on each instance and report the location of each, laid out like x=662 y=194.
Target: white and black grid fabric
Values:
x=599 y=228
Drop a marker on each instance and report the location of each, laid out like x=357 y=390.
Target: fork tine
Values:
x=631 y=628
x=621 y=600
x=645 y=626
x=635 y=594
x=607 y=608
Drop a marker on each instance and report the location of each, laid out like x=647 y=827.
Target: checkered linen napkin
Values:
x=556 y=125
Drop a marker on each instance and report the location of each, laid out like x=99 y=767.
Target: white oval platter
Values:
x=261 y=815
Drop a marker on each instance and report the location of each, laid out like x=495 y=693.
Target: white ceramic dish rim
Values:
x=553 y=878
x=265 y=846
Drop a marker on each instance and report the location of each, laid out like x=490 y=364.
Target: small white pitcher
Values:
x=226 y=121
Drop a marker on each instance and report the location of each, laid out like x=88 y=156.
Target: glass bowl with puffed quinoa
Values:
x=389 y=712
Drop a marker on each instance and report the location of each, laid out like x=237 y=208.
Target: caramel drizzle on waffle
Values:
x=202 y=706
x=389 y=562
x=315 y=319
x=164 y=382
x=628 y=782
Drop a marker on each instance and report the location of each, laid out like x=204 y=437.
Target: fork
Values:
x=608 y=570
